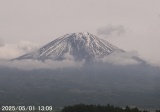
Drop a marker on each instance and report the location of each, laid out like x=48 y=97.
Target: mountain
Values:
x=76 y=46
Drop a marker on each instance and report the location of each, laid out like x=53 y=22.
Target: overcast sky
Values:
x=128 y=24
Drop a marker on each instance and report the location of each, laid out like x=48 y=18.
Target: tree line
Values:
x=100 y=108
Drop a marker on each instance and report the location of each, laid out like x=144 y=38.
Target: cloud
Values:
x=154 y=63
x=120 y=59
x=1 y=43
x=35 y=64
x=27 y=46
x=117 y=58
x=68 y=56
x=111 y=30
x=10 y=51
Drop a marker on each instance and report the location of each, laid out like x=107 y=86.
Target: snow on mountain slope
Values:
x=77 y=46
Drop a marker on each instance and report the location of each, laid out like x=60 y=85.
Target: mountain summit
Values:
x=77 y=46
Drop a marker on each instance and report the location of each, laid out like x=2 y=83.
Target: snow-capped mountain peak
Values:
x=80 y=46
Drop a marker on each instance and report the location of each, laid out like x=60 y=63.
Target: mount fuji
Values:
x=77 y=46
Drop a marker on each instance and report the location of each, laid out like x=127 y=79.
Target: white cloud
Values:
x=10 y=51
x=117 y=58
x=154 y=63
x=26 y=46
x=111 y=30
x=68 y=56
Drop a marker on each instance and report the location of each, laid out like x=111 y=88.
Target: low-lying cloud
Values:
x=35 y=64
x=10 y=51
x=1 y=42
x=111 y=30
x=121 y=58
x=26 y=46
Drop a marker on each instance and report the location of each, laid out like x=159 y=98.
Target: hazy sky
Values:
x=128 y=24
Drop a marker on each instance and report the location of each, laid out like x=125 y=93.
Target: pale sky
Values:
x=128 y=24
